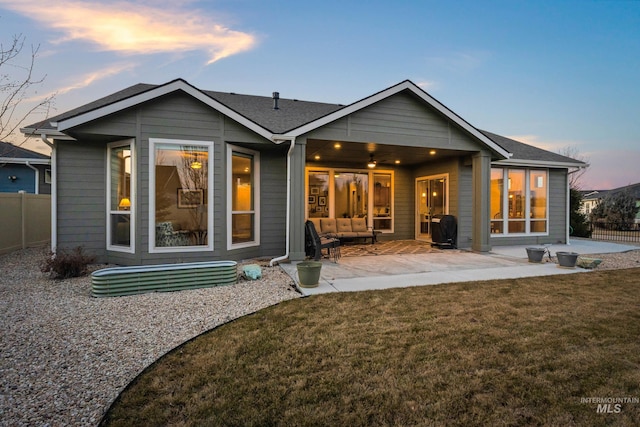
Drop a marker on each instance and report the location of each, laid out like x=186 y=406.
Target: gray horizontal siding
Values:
x=398 y=120
x=81 y=196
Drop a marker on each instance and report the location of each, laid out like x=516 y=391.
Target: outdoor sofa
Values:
x=344 y=228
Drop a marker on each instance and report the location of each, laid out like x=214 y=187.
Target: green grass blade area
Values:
x=505 y=352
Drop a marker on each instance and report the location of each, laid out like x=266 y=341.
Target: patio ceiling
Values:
x=326 y=152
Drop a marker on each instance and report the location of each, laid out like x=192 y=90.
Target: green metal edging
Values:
x=121 y=281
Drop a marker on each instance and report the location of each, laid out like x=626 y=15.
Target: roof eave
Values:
x=49 y=133
x=540 y=163
x=24 y=161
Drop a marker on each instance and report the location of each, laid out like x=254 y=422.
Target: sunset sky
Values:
x=554 y=74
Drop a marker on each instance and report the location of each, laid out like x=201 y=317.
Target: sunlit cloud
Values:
x=549 y=145
x=86 y=80
x=462 y=62
x=135 y=28
x=427 y=85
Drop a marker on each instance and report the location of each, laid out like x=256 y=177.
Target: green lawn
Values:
x=504 y=352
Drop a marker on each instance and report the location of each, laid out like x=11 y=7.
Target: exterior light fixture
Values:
x=337 y=146
x=317 y=157
x=12 y=178
x=372 y=162
x=432 y=152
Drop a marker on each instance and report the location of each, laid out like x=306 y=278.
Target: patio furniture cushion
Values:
x=344 y=225
x=328 y=226
x=359 y=225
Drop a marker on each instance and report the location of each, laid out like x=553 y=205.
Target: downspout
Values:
x=54 y=193
x=288 y=216
x=568 y=210
x=37 y=189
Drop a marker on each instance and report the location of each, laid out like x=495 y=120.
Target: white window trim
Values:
x=332 y=193
x=152 y=199
x=505 y=204
x=256 y=197
x=132 y=197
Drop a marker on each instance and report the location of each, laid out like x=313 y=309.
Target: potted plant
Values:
x=309 y=273
x=567 y=259
x=535 y=254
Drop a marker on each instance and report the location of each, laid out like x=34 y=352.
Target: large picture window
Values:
x=181 y=186
x=336 y=193
x=519 y=201
x=120 y=196
x=243 y=194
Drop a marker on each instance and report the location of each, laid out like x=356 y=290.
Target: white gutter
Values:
x=54 y=193
x=287 y=223
x=37 y=189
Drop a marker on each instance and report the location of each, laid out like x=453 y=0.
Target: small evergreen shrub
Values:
x=64 y=264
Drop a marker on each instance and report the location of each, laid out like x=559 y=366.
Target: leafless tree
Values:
x=575 y=174
x=18 y=88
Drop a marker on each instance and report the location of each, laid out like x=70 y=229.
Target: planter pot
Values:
x=567 y=259
x=309 y=273
x=535 y=254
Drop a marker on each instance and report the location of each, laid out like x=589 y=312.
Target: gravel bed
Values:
x=65 y=356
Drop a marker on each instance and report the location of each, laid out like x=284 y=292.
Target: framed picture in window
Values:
x=312 y=200
x=315 y=190
x=322 y=200
x=190 y=198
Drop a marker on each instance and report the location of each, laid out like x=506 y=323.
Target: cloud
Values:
x=549 y=145
x=86 y=80
x=612 y=169
x=462 y=62
x=134 y=28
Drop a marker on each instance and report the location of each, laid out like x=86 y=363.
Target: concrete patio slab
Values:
x=362 y=273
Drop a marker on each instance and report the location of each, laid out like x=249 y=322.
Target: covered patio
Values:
x=371 y=267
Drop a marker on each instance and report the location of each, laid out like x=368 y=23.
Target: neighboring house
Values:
x=172 y=173
x=24 y=170
x=591 y=198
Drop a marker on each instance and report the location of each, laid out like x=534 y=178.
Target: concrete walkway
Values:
x=352 y=274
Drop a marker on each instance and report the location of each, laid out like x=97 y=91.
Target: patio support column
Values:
x=296 y=242
x=481 y=170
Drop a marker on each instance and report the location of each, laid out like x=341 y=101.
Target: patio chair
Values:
x=314 y=244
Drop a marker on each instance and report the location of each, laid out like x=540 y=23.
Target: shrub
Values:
x=578 y=221
x=63 y=264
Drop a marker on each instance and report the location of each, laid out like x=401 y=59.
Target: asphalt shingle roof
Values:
x=292 y=113
x=9 y=150
x=522 y=151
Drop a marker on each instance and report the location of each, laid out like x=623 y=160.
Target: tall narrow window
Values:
x=318 y=201
x=516 y=190
x=538 y=201
x=243 y=194
x=497 y=201
x=120 y=198
x=382 y=205
x=181 y=188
